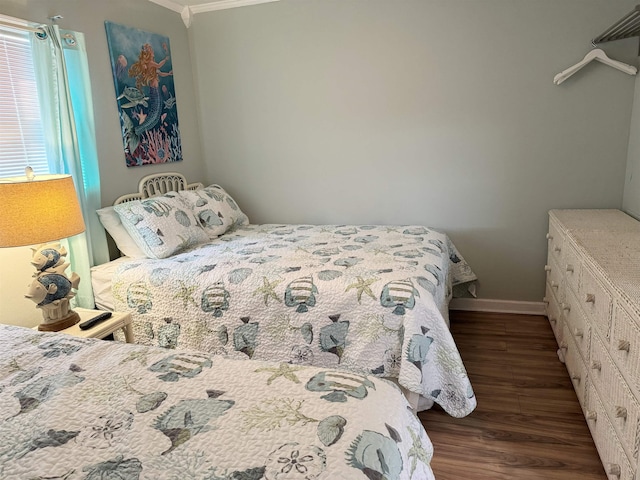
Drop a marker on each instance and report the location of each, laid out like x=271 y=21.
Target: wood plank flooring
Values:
x=528 y=424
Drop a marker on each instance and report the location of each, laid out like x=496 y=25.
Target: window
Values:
x=21 y=132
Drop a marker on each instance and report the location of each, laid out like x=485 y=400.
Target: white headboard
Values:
x=158 y=184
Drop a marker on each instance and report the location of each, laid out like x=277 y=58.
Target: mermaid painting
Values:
x=147 y=71
x=145 y=95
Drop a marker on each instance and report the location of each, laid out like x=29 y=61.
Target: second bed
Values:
x=370 y=299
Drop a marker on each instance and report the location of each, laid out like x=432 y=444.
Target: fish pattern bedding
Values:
x=370 y=299
x=90 y=409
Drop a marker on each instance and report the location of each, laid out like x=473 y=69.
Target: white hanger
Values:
x=595 y=54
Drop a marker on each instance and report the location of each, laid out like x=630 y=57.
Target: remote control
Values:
x=87 y=324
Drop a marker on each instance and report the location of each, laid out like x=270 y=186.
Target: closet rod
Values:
x=626 y=27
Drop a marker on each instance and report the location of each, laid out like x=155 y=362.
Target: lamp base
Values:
x=69 y=320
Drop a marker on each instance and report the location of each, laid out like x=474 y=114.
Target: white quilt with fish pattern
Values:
x=90 y=409
x=370 y=299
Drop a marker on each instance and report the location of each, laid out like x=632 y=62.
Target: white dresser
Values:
x=593 y=305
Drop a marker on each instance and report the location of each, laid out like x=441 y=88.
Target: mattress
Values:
x=101 y=276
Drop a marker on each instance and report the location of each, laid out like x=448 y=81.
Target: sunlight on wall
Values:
x=15 y=276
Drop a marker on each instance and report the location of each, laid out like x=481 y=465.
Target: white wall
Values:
x=88 y=16
x=15 y=276
x=437 y=112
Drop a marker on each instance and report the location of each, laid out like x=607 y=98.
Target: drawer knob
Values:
x=624 y=345
x=557 y=249
x=563 y=346
x=591 y=415
x=547 y=268
x=569 y=268
x=596 y=365
x=553 y=320
x=614 y=469
x=575 y=376
x=554 y=285
x=549 y=236
x=566 y=306
x=590 y=298
x=578 y=333
x=621 y=412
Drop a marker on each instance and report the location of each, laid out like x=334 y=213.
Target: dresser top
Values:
x=595 y=219
x=612 y=239
x=616 y=254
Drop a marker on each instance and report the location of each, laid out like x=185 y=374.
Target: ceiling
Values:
x=188 y=8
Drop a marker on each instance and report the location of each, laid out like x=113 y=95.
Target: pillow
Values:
x=215 y=210
x=111 y=222
x=161 y=226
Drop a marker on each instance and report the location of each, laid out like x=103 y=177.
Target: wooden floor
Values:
x=528 y=423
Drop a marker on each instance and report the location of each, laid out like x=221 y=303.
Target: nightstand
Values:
x=118 y=320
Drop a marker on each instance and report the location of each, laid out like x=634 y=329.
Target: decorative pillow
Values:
x=111 y=222
x=161 y=226
x=214 y=208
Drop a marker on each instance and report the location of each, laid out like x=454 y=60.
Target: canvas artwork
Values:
x=145 y=93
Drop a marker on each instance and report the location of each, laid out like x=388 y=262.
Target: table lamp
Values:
x=37 y=211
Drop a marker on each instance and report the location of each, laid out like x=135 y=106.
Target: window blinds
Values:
x=21 y=133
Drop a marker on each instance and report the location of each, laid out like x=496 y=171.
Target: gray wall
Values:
x=631 y=201
x=377 y=111
x=436 y=112
x=88 y=16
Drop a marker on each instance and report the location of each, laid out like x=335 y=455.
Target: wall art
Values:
x=145 y=94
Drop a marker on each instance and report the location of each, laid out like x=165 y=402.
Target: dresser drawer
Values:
x=572 y=267
x=625 y=346
x=598 y=366
x=577 y=325
x=575 y=366
x=555 y=237
x=615 y=462
x=596 y=302
x=624 y=414
x=555 y=279
x=553 y=313
x=618 y=401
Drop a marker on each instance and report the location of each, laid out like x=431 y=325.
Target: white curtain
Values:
x=64 y=90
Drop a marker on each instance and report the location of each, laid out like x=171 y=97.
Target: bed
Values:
x=371 y=299
x=91 y=409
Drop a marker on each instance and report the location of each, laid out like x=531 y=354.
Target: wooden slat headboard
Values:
x=158 y=184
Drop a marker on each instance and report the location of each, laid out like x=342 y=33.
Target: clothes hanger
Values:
x=595 y=54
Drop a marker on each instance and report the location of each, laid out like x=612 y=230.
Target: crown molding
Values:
x=187 y=11
x=224 y=4
x=187 y=16
x=176 y=7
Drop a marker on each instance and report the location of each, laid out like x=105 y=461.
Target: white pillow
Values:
x=161 y=226
x=214 y=209
x=111 y=222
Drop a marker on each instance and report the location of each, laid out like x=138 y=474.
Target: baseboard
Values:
x=497 y=306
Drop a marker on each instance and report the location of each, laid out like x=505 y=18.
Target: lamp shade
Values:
x=38 y=211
